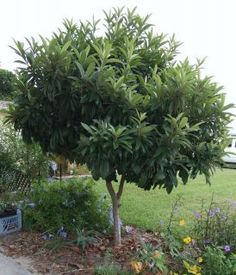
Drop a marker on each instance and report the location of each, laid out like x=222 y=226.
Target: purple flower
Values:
x=197 y=215
x=234 y=203
x=207 y=242
x=217 y=210
x=62 y=233
x=227 y=248
x=224 y=217
x=211 y=213
x=175 y=210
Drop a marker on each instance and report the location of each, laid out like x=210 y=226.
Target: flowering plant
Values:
x=151 y=258
x=216 y=226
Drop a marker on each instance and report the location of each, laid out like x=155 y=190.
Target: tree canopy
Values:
x=119 y=100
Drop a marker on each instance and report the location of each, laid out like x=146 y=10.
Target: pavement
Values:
x=9 y=266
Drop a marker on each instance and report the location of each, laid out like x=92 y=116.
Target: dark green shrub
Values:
x=70 y=204
x=7 y=80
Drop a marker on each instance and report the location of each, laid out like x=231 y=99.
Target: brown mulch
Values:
x=71 y=259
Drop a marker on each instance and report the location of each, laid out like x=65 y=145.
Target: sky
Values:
x=205 y=27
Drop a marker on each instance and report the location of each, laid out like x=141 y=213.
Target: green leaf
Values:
x=66 y=46
x=90 y=70
x=104 y=169
x=87 y=128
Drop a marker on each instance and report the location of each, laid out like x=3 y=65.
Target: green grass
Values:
x=146 y=208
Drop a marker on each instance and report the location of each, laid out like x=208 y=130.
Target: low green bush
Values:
x=71 y=204
x=216 y=262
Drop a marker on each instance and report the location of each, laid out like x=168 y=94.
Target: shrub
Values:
x=70 y=204
x=14 y=153
x=215 y=262
x=7 y=79
x=216 y=225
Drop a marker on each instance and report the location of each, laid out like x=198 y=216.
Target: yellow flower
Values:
x=192 y=269
x=136 y=266
x=157 y=254
x=187 y=240
x=182 y=222
x=200 y=259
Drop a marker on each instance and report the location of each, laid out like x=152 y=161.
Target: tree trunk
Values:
x=115 y=197
x=116 y=220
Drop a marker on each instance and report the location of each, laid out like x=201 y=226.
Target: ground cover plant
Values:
x=121 y=103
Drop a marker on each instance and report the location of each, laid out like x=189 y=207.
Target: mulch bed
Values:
x=71 y=259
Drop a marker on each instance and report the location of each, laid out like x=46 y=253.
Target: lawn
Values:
x=147 y=208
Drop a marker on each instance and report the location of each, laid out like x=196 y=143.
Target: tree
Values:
x=121 y=103
x=7 y=79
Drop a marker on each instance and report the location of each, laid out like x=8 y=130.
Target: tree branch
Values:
x=110 y=189
x=121 y=187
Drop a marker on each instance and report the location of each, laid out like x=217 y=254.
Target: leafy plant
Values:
x=110 y=269
x=121 y=103
x=152 y=259
x=55 y=243
x=7 y=88
x=70 y=204
x=84 y=238
x=216 y=262
x=15 y=154
x=216 y=225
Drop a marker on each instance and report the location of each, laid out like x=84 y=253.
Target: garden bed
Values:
x=72 y=259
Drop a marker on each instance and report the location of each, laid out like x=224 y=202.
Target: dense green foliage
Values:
x=217 y=263
x=7 y=88
x=15 y=154
x=120 y=102
x=70 y=204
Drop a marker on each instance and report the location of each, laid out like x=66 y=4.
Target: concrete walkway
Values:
x=9 y=266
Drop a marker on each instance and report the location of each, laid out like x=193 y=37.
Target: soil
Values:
x=71 y=259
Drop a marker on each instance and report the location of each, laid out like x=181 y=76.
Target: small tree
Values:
x=121 y=103
x=7 y=79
